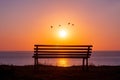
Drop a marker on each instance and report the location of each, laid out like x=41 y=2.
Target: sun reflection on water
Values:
x=62 y=62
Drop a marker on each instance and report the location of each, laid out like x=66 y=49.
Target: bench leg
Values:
x=86 y=63
x=35 y=63
x=83 y=64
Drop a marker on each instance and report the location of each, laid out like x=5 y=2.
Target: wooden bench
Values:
x=62 y=51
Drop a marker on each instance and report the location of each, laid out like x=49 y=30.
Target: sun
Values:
x=62 y=33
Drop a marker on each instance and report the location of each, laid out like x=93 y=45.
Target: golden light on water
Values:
x=63 y=62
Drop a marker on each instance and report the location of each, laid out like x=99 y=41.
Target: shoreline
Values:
x=47 y=72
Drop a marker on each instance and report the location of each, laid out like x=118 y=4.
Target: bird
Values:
x=72 y=24
x=69 y=23
x=59 y=25
x=51 y=26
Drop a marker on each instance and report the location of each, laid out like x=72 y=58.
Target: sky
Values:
x=24 y=23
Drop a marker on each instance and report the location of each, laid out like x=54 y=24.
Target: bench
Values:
x=62 y=51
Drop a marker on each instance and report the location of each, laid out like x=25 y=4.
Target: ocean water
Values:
x=25 y=58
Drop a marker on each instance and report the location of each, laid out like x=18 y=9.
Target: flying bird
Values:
x=69 y=23
x=51 y=26
x=59 y=25
x=72 y=24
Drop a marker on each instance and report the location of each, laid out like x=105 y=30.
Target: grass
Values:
x=12 y=72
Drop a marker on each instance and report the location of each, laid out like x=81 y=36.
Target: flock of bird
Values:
x=60 y=25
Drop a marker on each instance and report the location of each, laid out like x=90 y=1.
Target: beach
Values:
x=10 y=72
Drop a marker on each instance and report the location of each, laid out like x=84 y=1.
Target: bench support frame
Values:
x=37 y=51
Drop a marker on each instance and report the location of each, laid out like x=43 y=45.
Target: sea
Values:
x=111 y=58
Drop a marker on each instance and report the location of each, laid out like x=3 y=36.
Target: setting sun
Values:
x=62 y=33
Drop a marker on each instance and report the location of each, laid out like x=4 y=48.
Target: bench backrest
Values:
x=62 y=51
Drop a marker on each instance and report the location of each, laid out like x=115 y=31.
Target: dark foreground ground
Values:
x=8 y=72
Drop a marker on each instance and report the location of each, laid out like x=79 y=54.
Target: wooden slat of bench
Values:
x=64 y=45
x=59 y=54
x=63 y=51
x=62 y=56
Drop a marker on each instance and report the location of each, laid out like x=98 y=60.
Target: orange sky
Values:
x=25 y=23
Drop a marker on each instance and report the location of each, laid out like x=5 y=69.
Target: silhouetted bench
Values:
x=62 y=51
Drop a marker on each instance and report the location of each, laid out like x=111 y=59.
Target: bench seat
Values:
x=61 y=56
